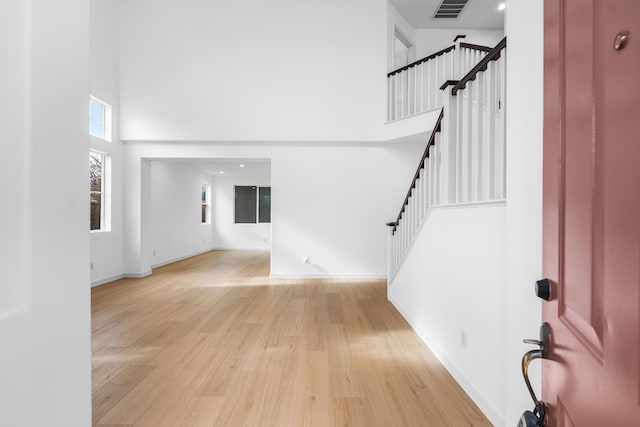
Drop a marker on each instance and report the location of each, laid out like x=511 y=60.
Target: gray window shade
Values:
x=245 y=204
x=264 y=204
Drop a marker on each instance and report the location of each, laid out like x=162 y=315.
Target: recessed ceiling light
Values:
x=502 y=6
x=241 y=166
x=221 y=172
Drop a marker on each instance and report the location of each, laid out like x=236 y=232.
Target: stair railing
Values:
x=423 y=193
x=464 y=160
x=474 y=132
x=412 y=89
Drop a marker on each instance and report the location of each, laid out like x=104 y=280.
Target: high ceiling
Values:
x=228 y=167
x=477 y=14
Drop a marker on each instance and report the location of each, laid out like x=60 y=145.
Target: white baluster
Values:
x=472 y=87
x=422 y=87
x=439 y=81
x=423 y=202
x=418 y=194
x=485 y=189
x=409 y=91
x=492 y=104
x=429 y=169
x=450 y=152
x=467 y=122
x=389 y=98
x=412 y=216
x=501 y=84
x=414 y=92
x=437 y=160
x=402 y=78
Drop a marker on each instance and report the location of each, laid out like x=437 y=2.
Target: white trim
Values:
x=398 y=34
x=399 y=119
x=180 y=258
x=496 y=202
x=489 y=411
x=228 y=248
x=327 y=276
x=106 y=280
x=136 y=275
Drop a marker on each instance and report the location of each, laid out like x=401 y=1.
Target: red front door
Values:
x=591 y=216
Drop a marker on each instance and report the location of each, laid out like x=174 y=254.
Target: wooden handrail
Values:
x=448 y=83
x=493 y=55
x=459 y=36
x=420 y=61
x=475 y=46
x=432 y=139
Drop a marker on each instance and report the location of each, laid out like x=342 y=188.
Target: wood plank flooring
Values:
x=213 y=341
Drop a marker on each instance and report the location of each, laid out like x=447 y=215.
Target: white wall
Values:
x=451 y=290
x=331 y=204
x=176 y=223
x=329 y=201
x=227 y=234
x=45 y=362
x=396 y=22
x=106 y=246
x=201 y=70
x=525 y=34
x=14 y=143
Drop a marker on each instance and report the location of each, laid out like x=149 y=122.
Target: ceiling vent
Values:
x=450 y=8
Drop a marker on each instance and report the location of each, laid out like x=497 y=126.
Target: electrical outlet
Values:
x=91 y=265
x=154 y=252
x=463 y=338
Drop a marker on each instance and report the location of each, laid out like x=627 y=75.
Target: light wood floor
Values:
x=212 y=341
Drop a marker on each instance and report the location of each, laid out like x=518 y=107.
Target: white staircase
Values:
x=464 y=161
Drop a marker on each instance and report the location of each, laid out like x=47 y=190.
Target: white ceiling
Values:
x=477 y=14
x=230 y=167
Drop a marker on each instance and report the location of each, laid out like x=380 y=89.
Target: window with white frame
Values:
x=252 y=204
x=99 y=194
x=99 y=119
x=206 y=203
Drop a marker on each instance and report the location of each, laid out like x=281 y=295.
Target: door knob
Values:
x=535 y=417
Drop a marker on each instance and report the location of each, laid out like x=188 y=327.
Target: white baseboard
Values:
x=137 y=275
x=487 y=409
x=227 y=248
x=180 y=258
x=327 y=276
x=106 y=280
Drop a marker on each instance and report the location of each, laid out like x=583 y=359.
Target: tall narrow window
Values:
x=99 y=119
x=264 y=204
x=206 y=204
x=98 y=191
